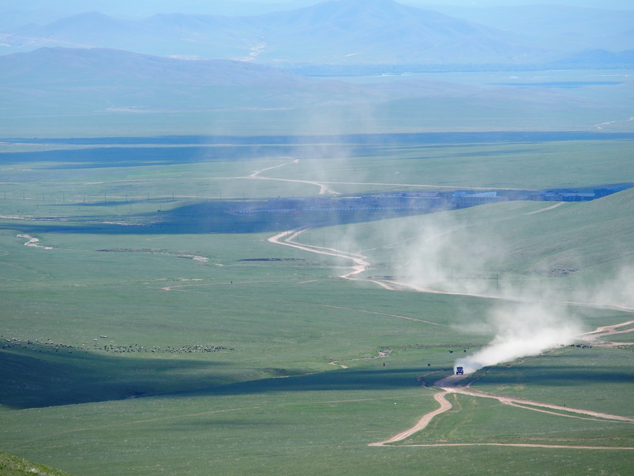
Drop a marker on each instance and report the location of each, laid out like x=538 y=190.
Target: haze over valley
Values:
x=278 y=236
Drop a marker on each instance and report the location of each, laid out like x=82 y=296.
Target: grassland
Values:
x=98 y=111
x=480 y=420
x=13 y=466
x=101 y=176
x=517 y=242
x=273 y=397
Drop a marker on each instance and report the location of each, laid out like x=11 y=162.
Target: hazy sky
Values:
x=617 y=4
x=246 y=7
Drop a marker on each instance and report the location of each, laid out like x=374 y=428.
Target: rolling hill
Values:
x=565 y=28
x=51 y=65
x=92 y=90
x=339 y=31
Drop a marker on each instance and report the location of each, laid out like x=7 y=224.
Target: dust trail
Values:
x=393 y=285
x=523 y=329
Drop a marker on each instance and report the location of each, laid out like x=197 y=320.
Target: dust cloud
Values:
x=531 y=313
x=523 y=329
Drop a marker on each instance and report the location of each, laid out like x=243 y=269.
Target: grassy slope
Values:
x=594 y=238
x=594 y=379
x=281 y=317
x=478 y=420
x=521 y=165
x=223 y=410
x=251 y=433
x=209 y=172
x=14 y=466
x=205 y=109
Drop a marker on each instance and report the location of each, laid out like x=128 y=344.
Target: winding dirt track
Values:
x=360 y=265
x=520 y=445
x=323 y=188
x=519 y=402
x=447 y=387
x=448 y=384
x=422 y=423
x=33 y=242
x=546 y=209
x=608 y=331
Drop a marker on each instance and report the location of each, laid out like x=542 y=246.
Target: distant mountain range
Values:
x=49 y=66
x=335 y=32
x=154 y=79
x=565 y=28
x=596 y=59
x=339 y=32
x=20 y=13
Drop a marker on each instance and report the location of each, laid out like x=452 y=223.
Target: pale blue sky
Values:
x=251 y=6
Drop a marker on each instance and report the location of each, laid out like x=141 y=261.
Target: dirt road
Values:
x=519 y=445
x=422 y=423
x=33 y=242
x=521 y=402
x=546 y=209
x=449 y=385
x=360 y=265
x=445 y=406
x=323 y=188
x=608 y=331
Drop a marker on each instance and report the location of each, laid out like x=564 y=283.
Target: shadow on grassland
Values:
x=203 y=218
x=351 y=379
x=109 y=157
x=388 y=139
x=560 y=375
x=173 y=150
x=43 y=380
x=123 y=157
x=39 y=380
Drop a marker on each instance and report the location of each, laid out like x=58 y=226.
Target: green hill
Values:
x=572 y=237
x=525 y=239
x=15 y=466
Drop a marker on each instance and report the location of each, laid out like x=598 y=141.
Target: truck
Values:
x=459 y=371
